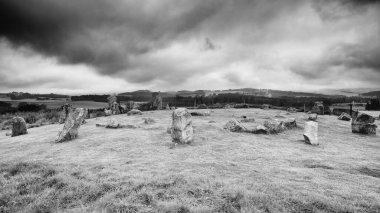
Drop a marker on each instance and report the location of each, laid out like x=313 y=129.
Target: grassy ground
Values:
x=138 y=170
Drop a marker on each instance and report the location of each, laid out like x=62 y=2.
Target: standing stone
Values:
x=113 y=105
x=72 y=124
x=364 y=124
x=344 y=117
x=18 y=126
x=313 y=116
x=275 y=126
x=311 y=133
x=167 y=107
x=182 y=127
x=157 y=101
x=66 y=109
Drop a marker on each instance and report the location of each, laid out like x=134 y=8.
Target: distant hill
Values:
x=145 y=95
x=373 y=93
x=347 y=92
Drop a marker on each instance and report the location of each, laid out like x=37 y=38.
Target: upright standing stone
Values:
x=157 y=101
x=66 y=108
x=311 y=132
x=182 y=127
x=18 y=126
x=113 y=105
x=72 y=124
x=364 y=124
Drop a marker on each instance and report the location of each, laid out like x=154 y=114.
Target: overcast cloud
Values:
x=103 y=46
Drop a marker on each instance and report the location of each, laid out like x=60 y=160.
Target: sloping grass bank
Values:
x=37 y=187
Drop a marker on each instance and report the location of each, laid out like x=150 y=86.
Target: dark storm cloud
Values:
x=331 y=10
x=355 y=59
x=105 y=34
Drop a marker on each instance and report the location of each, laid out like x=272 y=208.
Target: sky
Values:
x=106 y=46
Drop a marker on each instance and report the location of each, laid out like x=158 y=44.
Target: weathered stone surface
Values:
x=313 y=116
x=107 y=112
x=182 y=128
x=289 y=123
x=113 y=105
x=134 y=112
x=274 y=126
x=260 y=129
x=66 y=109
x=72 y=124
x=234 y=126
x=364 y=124
x=344 y=117
x=311 y=133
x=123 y=108
x=18 y=126
x=265 y=106
x=113 y=124
x=157 y=101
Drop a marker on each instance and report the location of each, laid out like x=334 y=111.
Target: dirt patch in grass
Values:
x=370 y=172
x=316 y=165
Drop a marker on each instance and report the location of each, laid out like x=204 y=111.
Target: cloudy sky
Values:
x=102 y=46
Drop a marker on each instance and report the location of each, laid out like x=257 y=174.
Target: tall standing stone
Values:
x=182 y=127
x=66 y=108
x=157 y=101
x=18 y=126
x=364 y=124
x=113 y=105
x=311 y=133
x=72 y=124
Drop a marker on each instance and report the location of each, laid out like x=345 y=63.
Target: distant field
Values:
x=139 y=170
x=57 y=103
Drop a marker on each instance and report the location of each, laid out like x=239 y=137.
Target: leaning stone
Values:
x=18 y=126
x=311 y=133
x=274 y=126
x=364 y=124
x=72 y=124
x=134 y=112
x=313 y=117
x=182 y=128
x=344 y=117
x=234 y=126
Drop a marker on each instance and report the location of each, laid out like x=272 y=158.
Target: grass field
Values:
x=139 y=170
x=53 y=104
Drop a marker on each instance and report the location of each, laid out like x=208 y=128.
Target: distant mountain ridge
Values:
x=245 y=91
